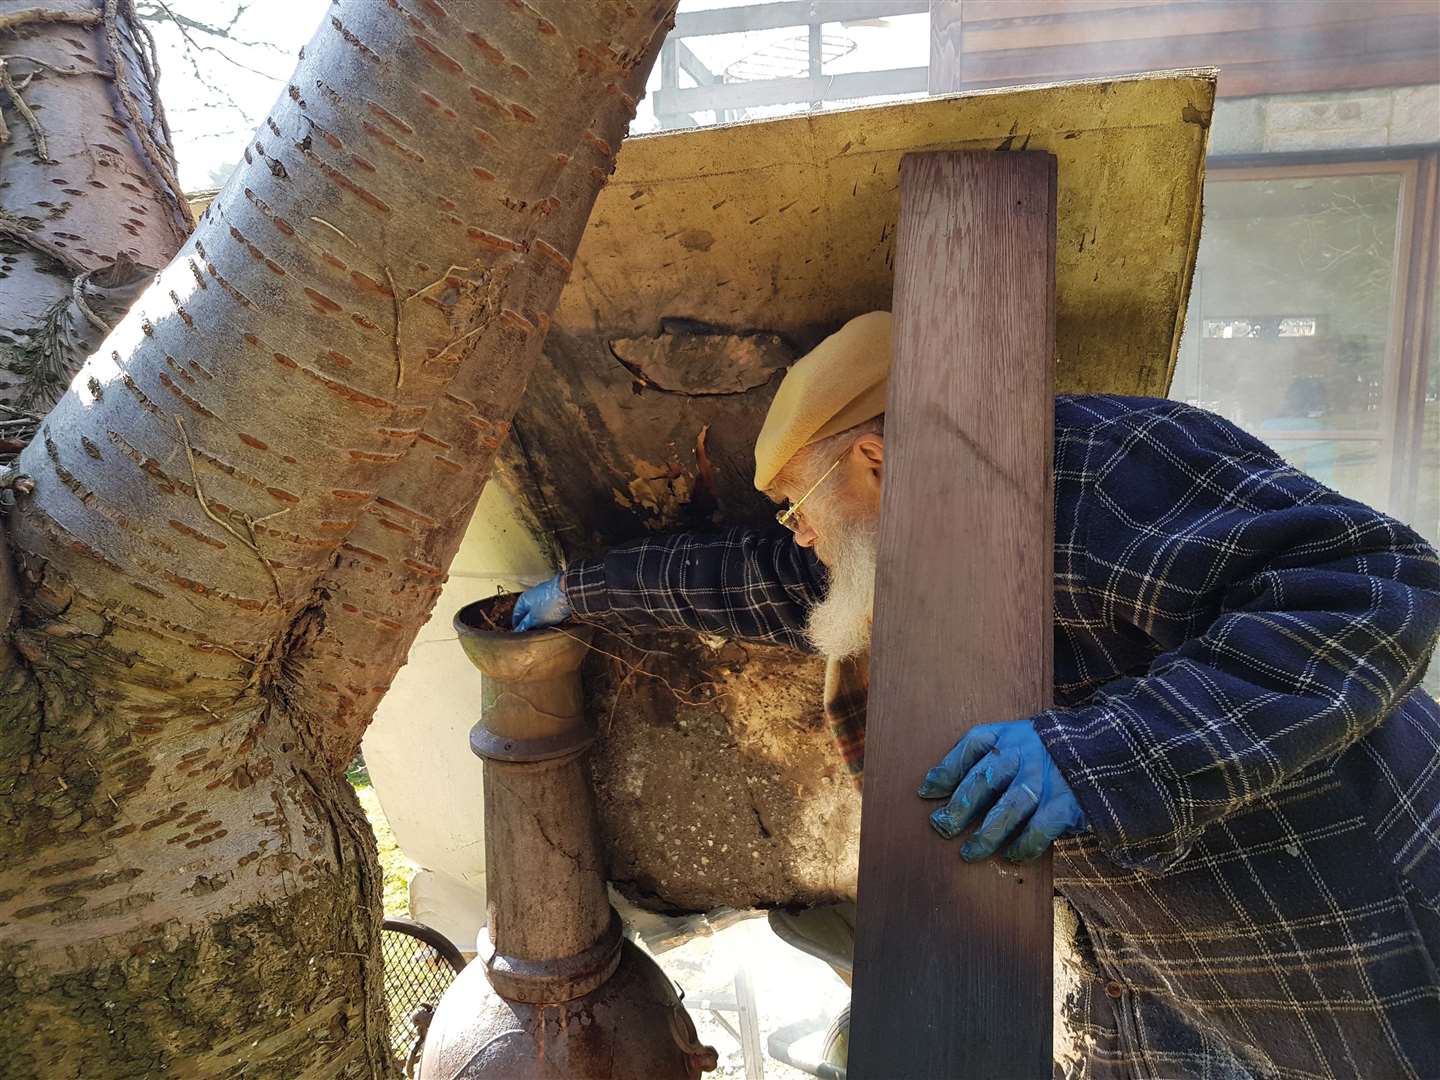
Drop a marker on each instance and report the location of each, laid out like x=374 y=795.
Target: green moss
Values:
x=396 y=869
x=283 y=975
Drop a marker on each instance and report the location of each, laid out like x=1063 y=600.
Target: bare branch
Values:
x=11 y=229
x=185 y=25
x=30 y=16
x=53 y=69
x=157 y=11
x=37 y=133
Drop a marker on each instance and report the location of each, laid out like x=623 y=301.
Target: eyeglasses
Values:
x=787 y=516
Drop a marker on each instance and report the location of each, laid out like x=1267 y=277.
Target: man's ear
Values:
x=869 y=451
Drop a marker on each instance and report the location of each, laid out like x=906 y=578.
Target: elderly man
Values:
x=1241 y=781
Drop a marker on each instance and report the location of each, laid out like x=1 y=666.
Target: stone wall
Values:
x=1343 y=120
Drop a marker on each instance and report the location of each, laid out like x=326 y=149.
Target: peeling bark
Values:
x=243 y=510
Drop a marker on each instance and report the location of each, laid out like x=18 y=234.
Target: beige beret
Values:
x=838 y=384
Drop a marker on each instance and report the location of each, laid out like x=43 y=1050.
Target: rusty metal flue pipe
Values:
x=557 y=991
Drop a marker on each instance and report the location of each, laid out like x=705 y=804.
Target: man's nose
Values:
x=805 y=536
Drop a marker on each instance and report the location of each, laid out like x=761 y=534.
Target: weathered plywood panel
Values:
x=789 y=225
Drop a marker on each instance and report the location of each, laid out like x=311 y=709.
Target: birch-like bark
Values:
x=243 y=510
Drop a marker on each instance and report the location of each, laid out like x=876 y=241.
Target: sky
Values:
x=217 y=89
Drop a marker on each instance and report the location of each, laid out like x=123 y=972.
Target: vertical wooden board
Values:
x=953 y=961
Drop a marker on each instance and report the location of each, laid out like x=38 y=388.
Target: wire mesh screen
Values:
x=420 y=964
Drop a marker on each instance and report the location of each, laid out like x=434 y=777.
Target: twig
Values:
x=462 y=338
x=11 y=229
x=250 y=541
x=37 y=133
x=77 y=293
x=612 y=632
x=55 y=70
x=183 y=26
x=681 y=696
x=38 y=15
x=336 y=230
x=395 y=308
x=213 y=29
x=438 y=281
x=615 y=701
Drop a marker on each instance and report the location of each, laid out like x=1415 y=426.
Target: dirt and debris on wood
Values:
x=729 y=793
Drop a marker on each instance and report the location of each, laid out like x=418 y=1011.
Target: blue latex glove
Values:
x=1003 y=769
x=543 y=605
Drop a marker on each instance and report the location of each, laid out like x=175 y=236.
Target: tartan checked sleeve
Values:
x=1285 y=621
x=751 y=584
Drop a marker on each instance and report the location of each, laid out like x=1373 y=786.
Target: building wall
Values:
x=1376 y=118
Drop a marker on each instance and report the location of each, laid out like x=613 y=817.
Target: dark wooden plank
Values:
x=1404 y=35
x=1185 y=18
x=1304 y=76
x=953 y=961
x=1113 y=57
x=982 y=10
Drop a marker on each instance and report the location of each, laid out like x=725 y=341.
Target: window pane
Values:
x=1348 y=465
x=1289 y=320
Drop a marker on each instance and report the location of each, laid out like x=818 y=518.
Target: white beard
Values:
x=839 y=626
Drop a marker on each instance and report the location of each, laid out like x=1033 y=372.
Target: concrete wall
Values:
x=1343 y=120
x=417 y=749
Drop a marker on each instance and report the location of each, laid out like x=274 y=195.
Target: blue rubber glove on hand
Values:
x=1003 y=769
x=541 y=606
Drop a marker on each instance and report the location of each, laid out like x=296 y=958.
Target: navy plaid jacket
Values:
x=1236 y=654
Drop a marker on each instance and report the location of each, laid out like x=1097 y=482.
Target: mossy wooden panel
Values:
x=789 y=225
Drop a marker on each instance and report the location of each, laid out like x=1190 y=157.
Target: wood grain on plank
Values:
x=1074 y=26
x=953 y=961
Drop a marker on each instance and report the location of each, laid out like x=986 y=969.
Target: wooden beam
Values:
x=692 y=65
x=750 y=95
x=774 y=14
x=952 y=974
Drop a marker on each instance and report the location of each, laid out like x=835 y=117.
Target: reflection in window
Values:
x=1257 y=326
x=1290 y=315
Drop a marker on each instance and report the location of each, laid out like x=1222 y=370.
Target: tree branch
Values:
x=37 y=133
x=41 y=15
x=159 y=12
x=10 y=229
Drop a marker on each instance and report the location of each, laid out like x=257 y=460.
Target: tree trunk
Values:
x=243 y=510
x=89 y=205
